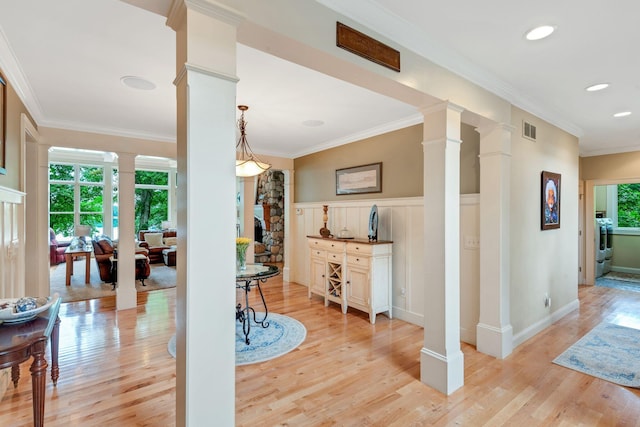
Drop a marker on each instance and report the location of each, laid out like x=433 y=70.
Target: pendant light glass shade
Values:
x=247 y=163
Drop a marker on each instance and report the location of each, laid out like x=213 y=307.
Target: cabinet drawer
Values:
x=359 y=248
x=318 y=253
x=333 y=257
x=360 y=261
x=329 y=245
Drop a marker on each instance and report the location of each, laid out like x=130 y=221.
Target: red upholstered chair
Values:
x=56 y=249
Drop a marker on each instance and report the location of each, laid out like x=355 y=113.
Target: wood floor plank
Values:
x=115 y=370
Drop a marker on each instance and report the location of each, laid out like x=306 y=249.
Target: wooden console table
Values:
x=20 y=341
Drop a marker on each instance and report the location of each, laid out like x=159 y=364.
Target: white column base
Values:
x=496 y=342
x=126 y=297
x=444 y=373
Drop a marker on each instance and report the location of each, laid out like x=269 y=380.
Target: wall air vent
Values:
x=528 y=130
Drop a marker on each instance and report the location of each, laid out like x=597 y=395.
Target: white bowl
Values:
x=9 y=316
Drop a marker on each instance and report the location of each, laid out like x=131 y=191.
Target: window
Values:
x=628 y=209
x=75 y=197
x=152 y=199
x=621 y=203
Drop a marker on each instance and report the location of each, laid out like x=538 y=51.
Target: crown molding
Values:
x=127 y=133
x=609 y=150
x=16 y=78
x=414 y=119
x=370 y=14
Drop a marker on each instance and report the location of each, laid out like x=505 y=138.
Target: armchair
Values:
x=56 y=249
x=103 y=249
x=157 y=242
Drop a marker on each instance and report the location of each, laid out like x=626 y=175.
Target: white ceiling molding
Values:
x=13 y=72
x=375 y=131
x=372 y=15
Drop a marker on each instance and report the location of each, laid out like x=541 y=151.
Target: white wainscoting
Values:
x=12 y=255
x=402 y=221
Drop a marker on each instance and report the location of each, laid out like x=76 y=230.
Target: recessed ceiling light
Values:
x=622 y=114
x=313 y=123
x=137 y=83
x=540 y=32
x=597 y=87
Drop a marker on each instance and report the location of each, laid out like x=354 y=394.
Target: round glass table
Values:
x=247 y=279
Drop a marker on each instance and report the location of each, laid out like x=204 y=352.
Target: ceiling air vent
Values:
x=528 y=130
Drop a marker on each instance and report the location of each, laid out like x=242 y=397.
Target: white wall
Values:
x=402 y=221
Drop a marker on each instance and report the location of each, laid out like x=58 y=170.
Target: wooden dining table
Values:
x=21 y=341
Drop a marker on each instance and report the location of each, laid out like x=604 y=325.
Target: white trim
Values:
x=544 y=323
x=629 y=270
x=10 y=195
x=358 y=136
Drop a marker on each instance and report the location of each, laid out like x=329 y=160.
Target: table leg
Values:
x=15 y=375
x=69 y=267
x=55 y=370
x=87 y=271
x=38 y=372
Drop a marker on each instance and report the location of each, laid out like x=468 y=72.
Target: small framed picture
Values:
x=550 y=213
x=359 y=179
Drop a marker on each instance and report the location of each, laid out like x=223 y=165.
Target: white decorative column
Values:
x=126 y=296
x=441 y=361
x=494 y=333
x=205 y=313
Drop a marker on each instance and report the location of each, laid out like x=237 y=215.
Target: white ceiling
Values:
x=66 y=59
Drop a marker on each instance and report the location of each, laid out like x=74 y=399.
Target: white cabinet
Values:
x=353 y=273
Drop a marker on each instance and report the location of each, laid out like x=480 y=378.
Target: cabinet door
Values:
x=317 y=277
x=358 y=287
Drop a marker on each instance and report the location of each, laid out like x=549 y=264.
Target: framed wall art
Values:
x=550 y=212
x=3 y=124
x=359 y=179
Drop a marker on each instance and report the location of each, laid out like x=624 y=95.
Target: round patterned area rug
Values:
x=283 y=335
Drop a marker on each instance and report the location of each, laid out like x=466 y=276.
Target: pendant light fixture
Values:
x=248 y=163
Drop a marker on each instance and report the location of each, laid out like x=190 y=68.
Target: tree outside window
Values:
x=152 y=199
x=629 y=205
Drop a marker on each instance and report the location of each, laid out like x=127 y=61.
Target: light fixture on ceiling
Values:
x=622 y=114
x=248 y=163
x=540 y=32
x=597 y=87
x=136 y=82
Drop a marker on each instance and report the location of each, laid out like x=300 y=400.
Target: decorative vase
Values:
x=241 y=258
x=242 y=243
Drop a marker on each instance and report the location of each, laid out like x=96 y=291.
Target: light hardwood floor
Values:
x=115 y=371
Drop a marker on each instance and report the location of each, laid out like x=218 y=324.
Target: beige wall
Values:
x=401 y=155
x=15 y=108
x=469 y=161
x=611 y=166
x=600 y=193
x=542 y=261
x=625 y=252
x=399 y=151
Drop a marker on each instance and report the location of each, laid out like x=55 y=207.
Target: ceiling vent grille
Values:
x=528 y=130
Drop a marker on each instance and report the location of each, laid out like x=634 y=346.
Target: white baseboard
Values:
x=625 y=270
x=409 y=317
x=544 y=323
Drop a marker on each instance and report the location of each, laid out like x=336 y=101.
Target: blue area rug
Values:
x=283 y=335
x=608 y=351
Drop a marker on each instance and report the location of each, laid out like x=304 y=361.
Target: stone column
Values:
x=247 y=194
x=441 y=361
x=126 y=296
x=289 y=217
x=205 y=301
x=494 y=334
